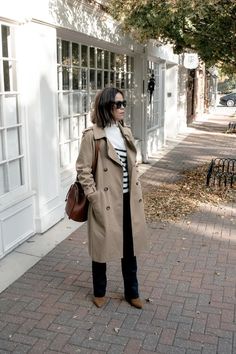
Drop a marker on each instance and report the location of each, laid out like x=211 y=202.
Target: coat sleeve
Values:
x=84 y=163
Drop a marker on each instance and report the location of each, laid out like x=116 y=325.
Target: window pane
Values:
x=65 y=78
x=84 y=79
x=75 y=127
x=58 y=79
x=106 y=60
x=13 y=143
x=58 y=50
x=66 y=129
x=84 y=104
x=92 y=80
x=99 y=79
x=92 y=57
x=65 y=52
x=10 y=105
x=5 y=35
x=65 y=154
x=59 y=105
x=112 y=56
x=2 y=179
x=117 y=80
x=66 y=104
x=99 y=58
x=128 y=79
x=15 y=174
x=112 y=78
x=128 y=64
x=9 y=72
x=119 y=62
x=6 y=74
x=122 y=80
x=75 y=54
x=82 y=124
x=75 y=78
x=76 y=103
x=84 y=55
x=2 y=155
x=88 y=122
x=74 y=150
x=1 y=110
x=106 y=78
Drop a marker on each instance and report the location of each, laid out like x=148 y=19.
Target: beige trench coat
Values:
x=105 y=195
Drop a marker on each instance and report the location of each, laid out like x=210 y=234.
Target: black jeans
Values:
x=128 y=262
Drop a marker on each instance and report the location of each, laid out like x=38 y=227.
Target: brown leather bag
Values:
x=76 y=202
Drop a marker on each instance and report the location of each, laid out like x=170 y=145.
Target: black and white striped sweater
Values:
x=115 y=137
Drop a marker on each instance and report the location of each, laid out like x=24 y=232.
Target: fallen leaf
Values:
x=173 y=201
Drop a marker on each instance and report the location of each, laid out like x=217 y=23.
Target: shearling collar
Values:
x=99 y=133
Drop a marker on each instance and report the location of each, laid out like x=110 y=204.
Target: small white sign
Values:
x=191 y=60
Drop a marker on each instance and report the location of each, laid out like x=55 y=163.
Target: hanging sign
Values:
x=191 y=60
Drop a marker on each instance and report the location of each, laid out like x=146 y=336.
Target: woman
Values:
x=116 y=223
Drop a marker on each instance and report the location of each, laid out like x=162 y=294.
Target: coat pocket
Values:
x=99 y=207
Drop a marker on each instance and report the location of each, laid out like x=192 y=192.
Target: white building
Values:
x=54 y=56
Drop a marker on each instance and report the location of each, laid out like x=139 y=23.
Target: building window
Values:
x=11 y=152
x=154 y=96
x=82 y=71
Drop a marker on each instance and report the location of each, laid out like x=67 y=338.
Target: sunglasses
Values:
x=119 y=104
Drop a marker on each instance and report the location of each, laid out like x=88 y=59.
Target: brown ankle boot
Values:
x=99 y=301
x=136 y=303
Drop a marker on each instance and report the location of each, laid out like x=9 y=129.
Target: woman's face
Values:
x=118 y=108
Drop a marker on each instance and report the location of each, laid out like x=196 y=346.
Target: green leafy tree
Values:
x=207 y=27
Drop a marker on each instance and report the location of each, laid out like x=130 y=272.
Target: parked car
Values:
x=228 y=100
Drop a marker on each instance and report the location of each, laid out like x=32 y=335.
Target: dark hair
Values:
x=103 y=106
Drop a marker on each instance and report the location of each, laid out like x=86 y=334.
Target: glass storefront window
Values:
x=153 y=100
x=86 y=70
x=11 y=151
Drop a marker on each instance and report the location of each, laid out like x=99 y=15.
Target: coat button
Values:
x=140 y=200
x=137 y=183
x=105 y=169
x=108 y=208
x=106 y=189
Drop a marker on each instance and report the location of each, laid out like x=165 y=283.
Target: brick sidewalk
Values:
x=188 y=275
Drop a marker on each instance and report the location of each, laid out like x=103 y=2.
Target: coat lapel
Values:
x=99 y=133
x=112 y=153
x=126 y=134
